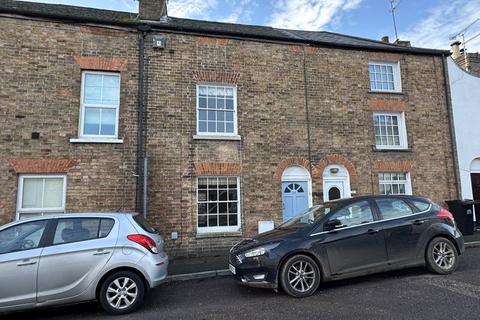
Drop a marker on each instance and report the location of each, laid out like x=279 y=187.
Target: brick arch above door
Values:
x=284 y=164
x=334 y=159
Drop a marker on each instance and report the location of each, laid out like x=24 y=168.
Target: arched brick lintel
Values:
x=335 y=159
x=393 y=166
x=284 y=164
x=216 y=169
x=42 y=165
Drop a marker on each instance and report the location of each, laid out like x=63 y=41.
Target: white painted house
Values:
x=465 y=95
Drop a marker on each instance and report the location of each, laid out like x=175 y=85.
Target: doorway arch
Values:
x=336 y=182
x=296 y=191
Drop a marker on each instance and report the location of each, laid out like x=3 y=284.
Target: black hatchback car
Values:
x=348 y=238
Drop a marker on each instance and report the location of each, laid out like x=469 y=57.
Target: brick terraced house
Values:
x=233 y=127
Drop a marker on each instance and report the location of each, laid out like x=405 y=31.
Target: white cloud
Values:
x=444 y=21
x=309 y=14
x=242 y=11
x=191 y=8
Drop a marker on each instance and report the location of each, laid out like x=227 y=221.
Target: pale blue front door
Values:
x=295 y=198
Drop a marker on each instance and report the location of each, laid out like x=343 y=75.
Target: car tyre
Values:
x=441 y=256
x=300 y=276
x=122 y=293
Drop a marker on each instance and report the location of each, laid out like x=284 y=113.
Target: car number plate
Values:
x=232 y=269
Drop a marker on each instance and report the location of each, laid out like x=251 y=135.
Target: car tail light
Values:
x=145 y=241
x=446 y=214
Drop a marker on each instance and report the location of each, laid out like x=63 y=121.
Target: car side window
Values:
x=393 y=208
x=76 y=229
x=81 y=229
x=354 y=214
x=22 y=237
x=421 y=205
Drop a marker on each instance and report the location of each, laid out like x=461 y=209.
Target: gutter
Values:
x=307 y=112
x=164 y=26
x=141 y=188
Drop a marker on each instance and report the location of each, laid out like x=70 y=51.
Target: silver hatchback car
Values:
x=110 y=257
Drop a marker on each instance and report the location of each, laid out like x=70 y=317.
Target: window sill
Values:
x=400 y=93
x=213 y=137
x=226 y=234
x=96 y=140
x=407 y=150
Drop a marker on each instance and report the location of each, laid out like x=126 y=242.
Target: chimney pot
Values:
x=152 y=9
x=385 y=39
x=456 y=50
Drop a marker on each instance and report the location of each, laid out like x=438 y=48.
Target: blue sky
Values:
x=427 y=23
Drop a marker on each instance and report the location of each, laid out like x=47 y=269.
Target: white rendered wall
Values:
x=465 y=92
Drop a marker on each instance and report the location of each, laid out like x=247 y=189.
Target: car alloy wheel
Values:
x=122 y=293
x=443 y=255
x=301 y=276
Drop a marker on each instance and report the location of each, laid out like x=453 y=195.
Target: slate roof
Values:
x=91 y=15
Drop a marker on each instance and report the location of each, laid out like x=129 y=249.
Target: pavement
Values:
x=405 y=294
x=182 y=266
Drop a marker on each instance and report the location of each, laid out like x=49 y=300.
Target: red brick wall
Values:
x=41 y=91
x=41 y=66
x=272 y=126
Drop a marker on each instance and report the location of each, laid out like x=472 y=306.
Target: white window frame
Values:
x=397 y=77
x=220 y=229
x=402 y=131
x=235 y=123
x=84 y=105
x=39 y=211
x=407 y=182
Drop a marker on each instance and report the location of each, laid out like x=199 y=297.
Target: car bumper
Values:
x=155 y=267
x=460 y=242
x=254 y=272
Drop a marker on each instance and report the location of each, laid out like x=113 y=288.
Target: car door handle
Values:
x=418 y=222
x=26 y=263
x=372 y=231
x=101 y=252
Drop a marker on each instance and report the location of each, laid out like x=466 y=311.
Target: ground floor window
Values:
x=392 y=183
x=218 y=204
x=40 y=195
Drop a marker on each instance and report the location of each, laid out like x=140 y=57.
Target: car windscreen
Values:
x=140 y=220
x=309 y=216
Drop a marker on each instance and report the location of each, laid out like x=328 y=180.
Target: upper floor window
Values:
x=394 y=183
x=100 y=101
x=38 y=195
x=385 y=76
x=216 y=110
x=390 y=130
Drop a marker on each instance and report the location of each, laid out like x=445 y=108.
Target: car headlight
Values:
x=260 y=251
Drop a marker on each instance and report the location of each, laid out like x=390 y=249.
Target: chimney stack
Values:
x=456 y=50
x=385 y=39
x=403 y=43
x=152 y=9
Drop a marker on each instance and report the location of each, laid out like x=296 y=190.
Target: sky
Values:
x=426 y=23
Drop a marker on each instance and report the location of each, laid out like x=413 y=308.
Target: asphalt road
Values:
x=406 y=294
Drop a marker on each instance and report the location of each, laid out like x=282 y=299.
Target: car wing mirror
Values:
x=332 y=225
